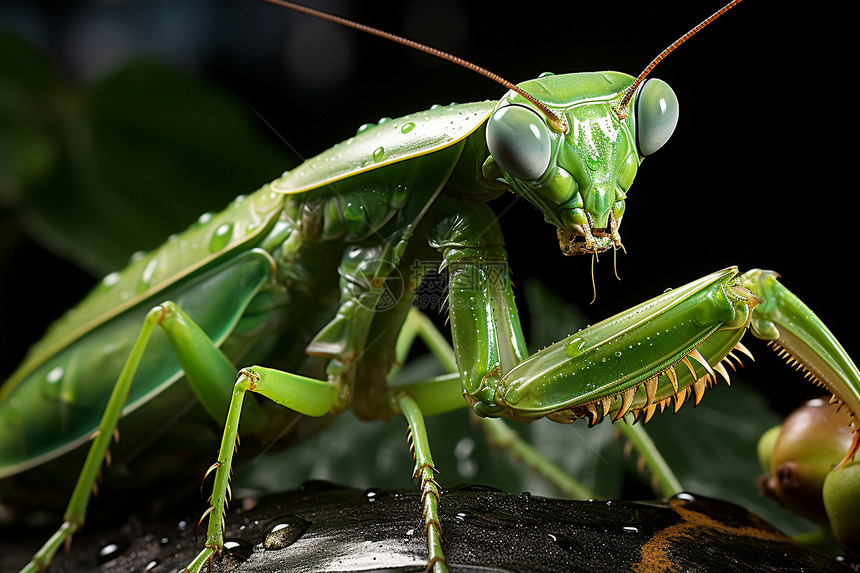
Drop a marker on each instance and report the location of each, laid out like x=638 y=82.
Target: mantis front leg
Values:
x=489 y=343
x=667 y=350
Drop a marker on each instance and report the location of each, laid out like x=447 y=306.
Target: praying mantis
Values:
x=677 y=222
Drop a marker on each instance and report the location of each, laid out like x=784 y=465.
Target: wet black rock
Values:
x=323 y=527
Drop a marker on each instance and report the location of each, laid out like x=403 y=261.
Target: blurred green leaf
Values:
x=28 y=145
x=98 y=172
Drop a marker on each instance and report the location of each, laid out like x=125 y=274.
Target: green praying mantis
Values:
x=653 y=356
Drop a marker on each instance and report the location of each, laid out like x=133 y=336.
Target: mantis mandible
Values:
x=507 y=367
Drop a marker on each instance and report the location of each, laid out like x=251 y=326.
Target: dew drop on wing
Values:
x=221 y=237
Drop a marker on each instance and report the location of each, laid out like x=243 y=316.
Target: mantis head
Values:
x=569 y=144
x=578 y=176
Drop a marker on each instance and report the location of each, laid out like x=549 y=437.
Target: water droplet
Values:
x=378 y=154
x=574 y=347
x=164 y=540
x=55 y=375
x=593 y=162
x=238 y=549
x=374 y=493
x=684 y=496
x=108 y=553
x=146 y=277
x=399 y=196
x=618 y=354
x=489 y=519
x=111 y=279
x=407 y=127
x=566 y=542
x=151 y=565
x=221 y=237
x=284 y=531
x=363 y=127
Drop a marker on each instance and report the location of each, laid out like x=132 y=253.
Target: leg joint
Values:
x=247 y=379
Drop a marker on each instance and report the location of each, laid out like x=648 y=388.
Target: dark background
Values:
x=754 y=175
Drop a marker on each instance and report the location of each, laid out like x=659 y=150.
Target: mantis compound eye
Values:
x=656 y=115
x=519 y=142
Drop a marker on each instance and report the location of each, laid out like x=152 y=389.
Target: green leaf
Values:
x=28 y=142
x=98 y=172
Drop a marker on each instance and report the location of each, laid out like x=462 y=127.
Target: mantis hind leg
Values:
x=73 y=519
x=204 y=365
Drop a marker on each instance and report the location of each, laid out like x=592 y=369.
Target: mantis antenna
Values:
x=556 y=123
x=621 y=111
